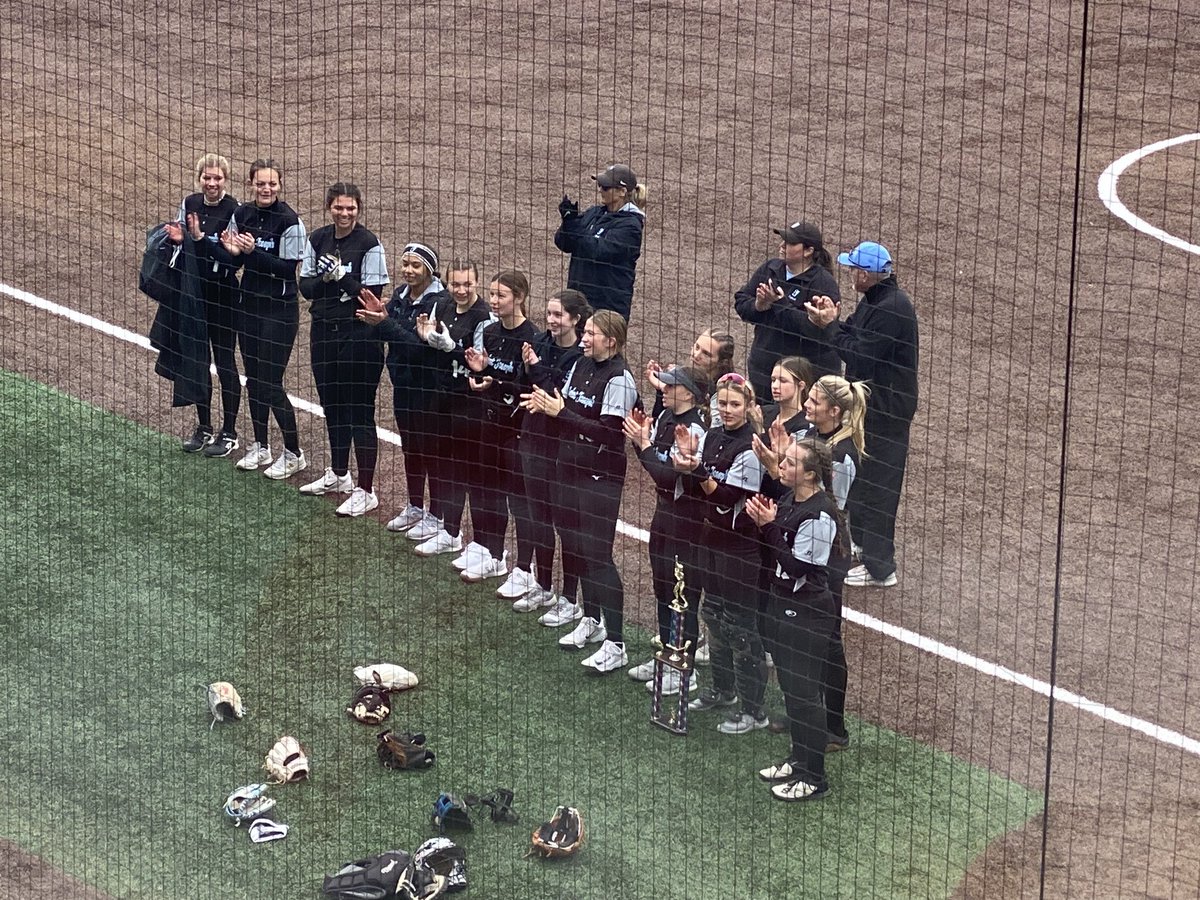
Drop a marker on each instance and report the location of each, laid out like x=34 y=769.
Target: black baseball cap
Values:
x=616 y=176
x=676 y=375
x=804 y=233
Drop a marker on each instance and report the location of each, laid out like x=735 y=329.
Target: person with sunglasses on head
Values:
x=723 y=465
x=598 y=393
x=879 y=343
x=605 y=241
x=267 y=239
x=774 y=299
x=679 y=504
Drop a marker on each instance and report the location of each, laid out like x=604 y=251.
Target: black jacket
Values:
x=171 y=275
x=412 y=364
x=604 y=248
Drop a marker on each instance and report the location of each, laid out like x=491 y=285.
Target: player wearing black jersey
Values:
x=268 y=240
x=727 y=471
x=546 y=363
x=802 y=531
x=203 y=216
x=344 y=274
x=497 y=370
x=452 y=327
x=679 y=504
x=599 y=392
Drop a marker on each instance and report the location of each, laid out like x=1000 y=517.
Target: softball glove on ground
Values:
x=404 y=751
x=561 y=836
x=390 y=675
x=223 y=702
x=248 y=802
x=390 y=874
x=287 y=761
x=370 y=703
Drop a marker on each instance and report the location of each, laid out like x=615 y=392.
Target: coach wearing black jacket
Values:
x=773 y=302
x=879 y=344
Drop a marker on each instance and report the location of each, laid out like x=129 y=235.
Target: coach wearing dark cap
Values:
x=879 y=346
x=773 y=302
x=606 y=241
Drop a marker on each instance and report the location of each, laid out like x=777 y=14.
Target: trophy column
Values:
x=675 y=654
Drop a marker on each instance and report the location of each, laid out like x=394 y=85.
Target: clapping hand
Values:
x=761 y=509
x=539 y=401
x=822 y=311
x=766 y=455
x=529 y=355
x=637 y=429
x=567 y=207
x=477 y=360
x=652 y=370
x=766 y=294
x=372 y=311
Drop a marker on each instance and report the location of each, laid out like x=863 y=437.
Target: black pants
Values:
x=731 y=606
x=221 y=316
x=347 y=361
x=419 y=442
x=799 y=639
x=268 y=333
x=453 y=470
x=672 y=536
x=836 y=676
x=588 y=532
x=875 y=497
x=501 y=490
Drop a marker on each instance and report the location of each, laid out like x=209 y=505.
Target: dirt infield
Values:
x=950 y=136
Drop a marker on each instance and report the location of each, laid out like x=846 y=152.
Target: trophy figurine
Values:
x=675 y=654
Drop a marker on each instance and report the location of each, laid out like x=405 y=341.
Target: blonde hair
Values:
x=611 y=325
x=743 y=387
x=638 y=195
x=851 y=398
x=211 y=161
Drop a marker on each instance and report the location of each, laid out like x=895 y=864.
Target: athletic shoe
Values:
x=778 y=773
x=838 y=743
x=439 y=543
x=471 y=552
x=535 y=599
x=200 y=439
x=610 y=657
x=642 y=672
x=287 y=465
x=860 y=577
x=425 y=529
x=222 y=445
x=701 y=658
x=588 y=631
x=562 y=613
x=256 y=457
x=485 y=566
x=742 y=723
x=359 y=503
x=855 y=551
x=672 y=682
x=409 y=516
x=518 y=584
x=795 y=791
x=329 y=483
x=710 y=699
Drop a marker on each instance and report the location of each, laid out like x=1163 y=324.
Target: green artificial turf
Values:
x=135 y=572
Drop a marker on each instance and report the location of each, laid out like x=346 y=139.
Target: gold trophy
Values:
x=675 y=654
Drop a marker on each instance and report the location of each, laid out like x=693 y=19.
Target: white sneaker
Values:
x=256 y=457
x=408 y=517
x=672 y=681
x=742 y=723
x=287 y=465
x=425 y=529
x=562 y=613
x=588 y=631
x=439 y=543
x=535 y=599
x=860 y=577
x=610 y=657
x=358 y=503
x=486 y=566
x=644 y=672
x=701 y=658
x=471 y=552
x=518 y=584
x=329 y=483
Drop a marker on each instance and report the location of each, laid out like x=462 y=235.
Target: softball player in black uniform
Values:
x=454 y=325
x=268 y=240
x=203 y=216
x=344 y=273
x=498 y=371
x=803 y=531
x=547 y=362
x=599 y=392
x=679 y=504
x=728 y=472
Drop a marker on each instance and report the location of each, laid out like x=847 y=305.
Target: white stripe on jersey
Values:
x=620 y=395
x=293 y=242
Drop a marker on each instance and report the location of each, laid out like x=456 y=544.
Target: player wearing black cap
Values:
x=773 y=302
x=606 y=241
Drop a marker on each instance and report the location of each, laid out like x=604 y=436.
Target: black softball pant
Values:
x=543 y=488
x=732 y=571
x=500 y=490
x=799 y=638
x=588 y=531
x=669 y=540
x=268 y=334
x=419 y=439
x=875 y=497
x=453 y=469
x=221 y=316
x=836 y=674
x=347 y=361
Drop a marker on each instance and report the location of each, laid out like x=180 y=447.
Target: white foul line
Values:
x=912 y=638
x=1106 y=187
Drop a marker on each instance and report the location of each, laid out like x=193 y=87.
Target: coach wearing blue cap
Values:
x=879 y=345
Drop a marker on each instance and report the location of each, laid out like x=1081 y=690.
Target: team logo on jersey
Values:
x=264 y=243
x=504 y=365
x=579 y=397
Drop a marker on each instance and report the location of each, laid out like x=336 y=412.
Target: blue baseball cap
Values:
x=868 y=256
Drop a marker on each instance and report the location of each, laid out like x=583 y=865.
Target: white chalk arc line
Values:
x=1106 y=187
x=903 y=635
